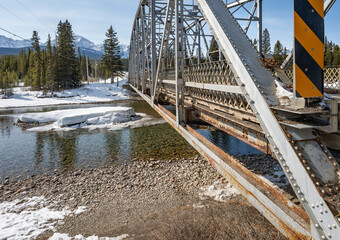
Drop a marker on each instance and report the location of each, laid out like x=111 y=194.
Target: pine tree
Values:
x=111 y=59
x=266 y=41
x=49 y=64
x=336 y=55
x=68 y=64
x=278 y=52
x=36 y=71
x=328 y=53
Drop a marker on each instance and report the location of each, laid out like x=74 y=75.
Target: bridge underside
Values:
x=196 y=57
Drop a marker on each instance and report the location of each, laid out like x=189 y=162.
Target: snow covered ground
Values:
x=220 y=192
x=30 y=217
x=64 y=236
x=92 y=93
x=112 y=118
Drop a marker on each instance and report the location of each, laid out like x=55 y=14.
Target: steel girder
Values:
x=167 y=51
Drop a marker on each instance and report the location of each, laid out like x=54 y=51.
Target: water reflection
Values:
x=25 y=153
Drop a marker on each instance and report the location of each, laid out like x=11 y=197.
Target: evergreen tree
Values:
x=68 y=65
x=49 y=64
x=328 y=53
x=336 y=55
x=36 y=71
x=278 y=52
x=111 y=59
x=266 y=41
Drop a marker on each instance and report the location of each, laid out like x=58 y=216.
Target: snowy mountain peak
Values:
x=80 y=42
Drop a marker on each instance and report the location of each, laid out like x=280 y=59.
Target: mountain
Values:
x=95 y=51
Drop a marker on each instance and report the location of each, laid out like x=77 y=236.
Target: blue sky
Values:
x=91 y=18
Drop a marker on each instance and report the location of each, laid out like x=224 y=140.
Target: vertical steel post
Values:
x=153 y=46
x=259 y=26
x=198 y=29
x=143 y=49
x=179 y=62
x=308 y=48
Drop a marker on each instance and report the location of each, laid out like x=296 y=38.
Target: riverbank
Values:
x=144 y=200
x=90 y=93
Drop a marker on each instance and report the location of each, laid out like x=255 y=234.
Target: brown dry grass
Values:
x=236 y=221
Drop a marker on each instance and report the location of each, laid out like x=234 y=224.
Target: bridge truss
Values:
x=197 y=55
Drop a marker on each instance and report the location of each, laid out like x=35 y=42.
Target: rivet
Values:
x=321 y=211
x=330 y=227
x=300 y=155
x=317 y=183
x=291 y=178
x=312 y=175
x=320 y=220
x=329 y=235
x=299 y=192
x=294 y=185
x=321 y=203
x=284 y=164
x=308 y=168
x=304 y=161
x=296 y=148
x=303 y=199
x=334 y=225
x=313 y=206
x=316 y=225
x=323 y=237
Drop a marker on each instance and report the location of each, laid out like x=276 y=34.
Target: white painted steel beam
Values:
x=257 y=83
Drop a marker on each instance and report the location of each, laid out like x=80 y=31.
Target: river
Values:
x=24 y=153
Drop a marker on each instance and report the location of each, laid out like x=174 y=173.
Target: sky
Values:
x=92 y=18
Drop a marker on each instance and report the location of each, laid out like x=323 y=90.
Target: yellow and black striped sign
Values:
x=309 y=47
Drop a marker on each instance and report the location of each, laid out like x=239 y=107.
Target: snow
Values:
x=64 y=236
x=30 y=217
x=219 y=191
x=90 y=116
x=92 y=93
x=284 y=95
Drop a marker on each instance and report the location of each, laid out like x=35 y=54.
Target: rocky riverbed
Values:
x=146 y=200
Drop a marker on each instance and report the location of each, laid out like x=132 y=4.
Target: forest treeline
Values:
x=58 y=67
x=332 y=50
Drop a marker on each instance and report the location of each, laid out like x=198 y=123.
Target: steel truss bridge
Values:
x=197 y=56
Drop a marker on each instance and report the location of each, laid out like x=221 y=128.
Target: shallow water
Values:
x=23 y=153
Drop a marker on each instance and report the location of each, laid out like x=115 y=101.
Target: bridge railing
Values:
x=331 y=77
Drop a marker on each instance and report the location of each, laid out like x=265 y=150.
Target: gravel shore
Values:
x=139 y=199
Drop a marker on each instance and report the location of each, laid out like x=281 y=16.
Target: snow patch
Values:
x=64 y=236
x=30 y=217
x=87 y=116
x=219 y=191
x=285 y=96
x=92 y=93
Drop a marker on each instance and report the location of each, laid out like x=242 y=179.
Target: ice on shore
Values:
x=87 y=116
x=64 y=236
x=219 y=191
x=92 y=93
x=111 y=118
x=30 y=217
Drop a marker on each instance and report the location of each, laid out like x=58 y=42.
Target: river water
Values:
x=24 y=153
